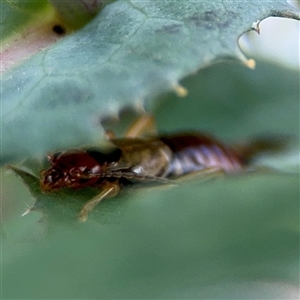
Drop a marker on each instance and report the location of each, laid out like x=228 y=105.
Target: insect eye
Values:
x=50 y=176
x=55 y=175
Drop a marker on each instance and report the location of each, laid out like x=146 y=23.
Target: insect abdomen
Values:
x=195 y=152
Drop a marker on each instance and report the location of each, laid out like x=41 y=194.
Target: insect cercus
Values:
x=135 y=158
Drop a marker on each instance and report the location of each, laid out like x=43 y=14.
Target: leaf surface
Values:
x=234 y=237
x=129 y=54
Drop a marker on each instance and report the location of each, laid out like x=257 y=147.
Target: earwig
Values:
x=135 y=159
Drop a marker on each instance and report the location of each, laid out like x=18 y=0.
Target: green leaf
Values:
x=236 y=237
x=128 y=55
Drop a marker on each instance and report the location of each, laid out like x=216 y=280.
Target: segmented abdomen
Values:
x=195 y=152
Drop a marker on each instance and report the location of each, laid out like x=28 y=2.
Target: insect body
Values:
x=138 y=159
x=134 y=160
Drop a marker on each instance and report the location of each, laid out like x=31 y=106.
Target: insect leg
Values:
x=110 y=189
x=202 y=175
x=144 y=125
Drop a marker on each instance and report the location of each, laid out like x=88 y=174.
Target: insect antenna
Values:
x=153 y=178
x=132 y=175
x=128 y=175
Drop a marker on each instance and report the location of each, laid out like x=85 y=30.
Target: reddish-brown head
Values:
x=71 y=169
x=76 y=169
